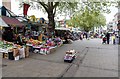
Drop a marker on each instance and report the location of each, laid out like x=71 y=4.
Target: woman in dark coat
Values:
x=108 y=37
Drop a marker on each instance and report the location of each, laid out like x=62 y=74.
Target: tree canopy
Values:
x=87 y=20
x=69 y=7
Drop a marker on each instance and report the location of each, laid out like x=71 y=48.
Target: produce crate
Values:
x=5 y=55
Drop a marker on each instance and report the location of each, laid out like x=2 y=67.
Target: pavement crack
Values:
x=73 y=67
x=3 y=65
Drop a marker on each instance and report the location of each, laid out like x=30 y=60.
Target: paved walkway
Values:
x=100 y=61
x=94 y=60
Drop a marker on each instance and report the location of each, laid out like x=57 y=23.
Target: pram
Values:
x=104 y=40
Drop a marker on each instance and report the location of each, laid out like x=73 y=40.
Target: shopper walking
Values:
x=117 y=40
x=108 y=37
x=113 y=38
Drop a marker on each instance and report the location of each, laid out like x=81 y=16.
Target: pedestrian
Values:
x=8 y=35
x=108 y=37
x=66 y=38
x=15 y=38
x=36 y=34
x=104 y=40
x=19 y=39
x=28 y=34
x=117 y=40
x=113 y=38
x=85 y=35
x=81 y=36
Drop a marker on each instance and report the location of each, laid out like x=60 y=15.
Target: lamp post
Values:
x=118 y=25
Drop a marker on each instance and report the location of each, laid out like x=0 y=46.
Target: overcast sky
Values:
x=38 y=13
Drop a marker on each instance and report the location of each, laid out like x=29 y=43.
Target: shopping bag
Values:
x=17 y=58
x=22 y=52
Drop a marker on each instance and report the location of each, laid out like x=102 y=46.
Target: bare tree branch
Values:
x=44 y=5
x=48 y=4
x=52 y=4
x=54 y=11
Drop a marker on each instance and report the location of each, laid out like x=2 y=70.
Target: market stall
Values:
x=13 y=51
x=9 y=49
x=14 y=23
x=22 y=44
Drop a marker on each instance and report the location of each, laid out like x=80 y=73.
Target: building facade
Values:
x=116 y=19
x=112 y=26
x=7 y=4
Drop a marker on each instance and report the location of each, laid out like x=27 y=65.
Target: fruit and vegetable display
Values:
x=12 y=51
x=29 y=45
x=6 y=44
x=44 y=47
x=34 y=42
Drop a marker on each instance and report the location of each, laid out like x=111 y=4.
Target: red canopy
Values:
x=12 y=21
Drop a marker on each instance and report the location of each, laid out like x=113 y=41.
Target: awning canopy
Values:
x=62 y=28
x=12 y=21
x=2 y=23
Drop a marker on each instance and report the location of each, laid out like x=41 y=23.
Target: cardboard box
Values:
x=52 y=50
x=5 y=55
x=16 y=52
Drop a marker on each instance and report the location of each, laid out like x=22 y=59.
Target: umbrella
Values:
x=2 y=23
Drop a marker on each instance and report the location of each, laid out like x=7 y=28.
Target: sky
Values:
x=110 y=16
x=15 y=9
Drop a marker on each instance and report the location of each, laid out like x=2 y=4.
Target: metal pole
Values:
x=119 y=21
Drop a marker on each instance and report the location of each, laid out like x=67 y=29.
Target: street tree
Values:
x=51 y=7
x=90 y=15
x=54 y=7
x=87 y=21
